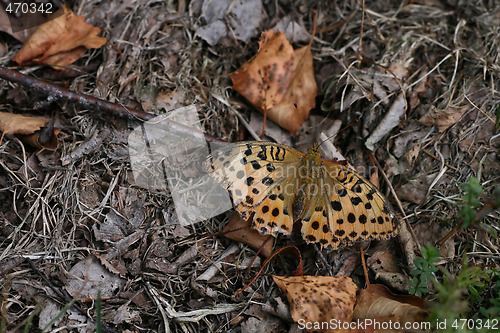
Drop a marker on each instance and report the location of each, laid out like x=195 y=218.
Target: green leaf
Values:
x=419 y=262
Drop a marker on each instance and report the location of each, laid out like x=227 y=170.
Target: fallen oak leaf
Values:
x=60 y=42
x=319 y=299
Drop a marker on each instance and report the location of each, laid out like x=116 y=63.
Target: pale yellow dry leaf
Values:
x=11 y=123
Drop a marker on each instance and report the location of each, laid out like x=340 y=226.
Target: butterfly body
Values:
x=278 y=186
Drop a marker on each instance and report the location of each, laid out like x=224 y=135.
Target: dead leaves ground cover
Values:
x=421 y=78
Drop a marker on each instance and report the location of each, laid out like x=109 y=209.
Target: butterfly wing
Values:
x=358 y=209
x=259 y=178
x=316 y=226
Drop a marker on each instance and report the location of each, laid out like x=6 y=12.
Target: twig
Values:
x=98 y=104
x=437 y=158
x=87 y=147
x=363 y=263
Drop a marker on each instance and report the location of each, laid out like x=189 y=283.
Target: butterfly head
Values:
x=314 y=150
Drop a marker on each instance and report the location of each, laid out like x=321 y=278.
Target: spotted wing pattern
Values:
x=256 y=175
x=277 y=185
x=349 y=209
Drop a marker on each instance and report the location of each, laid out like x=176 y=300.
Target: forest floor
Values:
x=417 y=81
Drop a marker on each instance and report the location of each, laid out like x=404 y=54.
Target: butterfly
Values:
x=278 y=186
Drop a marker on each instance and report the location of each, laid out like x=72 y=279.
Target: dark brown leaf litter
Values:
x=423 y=87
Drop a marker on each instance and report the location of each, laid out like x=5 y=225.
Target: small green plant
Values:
x=470 y=201
x=468 y=301
x=458 y=295
x=493 y=311
x=425 y=270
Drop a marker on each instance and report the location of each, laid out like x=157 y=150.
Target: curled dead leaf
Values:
x=35 y=140
x=377 y=301
x=319 y=299
x=35 y=131
x=60 y=42
x=240 y=230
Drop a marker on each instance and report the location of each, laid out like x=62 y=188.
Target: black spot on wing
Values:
x=249 y=180
x=356 y=200
x=336 y=205
x=255 y=165
x=267 y=181
x=275 y=212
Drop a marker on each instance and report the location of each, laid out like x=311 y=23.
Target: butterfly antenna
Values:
x=331 y=136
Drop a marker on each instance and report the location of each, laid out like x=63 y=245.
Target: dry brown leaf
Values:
x=35 y=140
x=60 y=42
x=279 y=81
x=11 y=123
x=443 y=118
x=300 y=98
x=385 y=263
x=263 y=80
x=377 y=301
x=416 y=189
x=31 y=130
x=240 y=231
x=319 y=299
x=88 y=276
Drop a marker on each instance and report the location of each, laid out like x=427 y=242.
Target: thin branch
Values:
x=98 y=104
